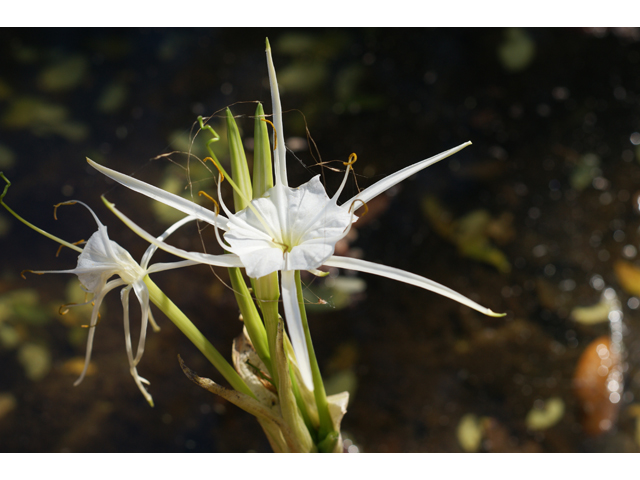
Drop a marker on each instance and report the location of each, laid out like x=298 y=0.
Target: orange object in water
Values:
x=597 y=383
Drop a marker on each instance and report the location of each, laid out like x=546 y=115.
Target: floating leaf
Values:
x=112 y=97
x=9 y=336
x=43 y=118
x=545 y=416
x=5 y=90
x=628 y=277
x=23 y=305
x=7 y=157
x=470 y=432
x=517 y=50
x=35 y=359
x=75 y=366
x=597 y=313
x=63 y=75
x=471 y=233
x=8 y=403
x=585 y=171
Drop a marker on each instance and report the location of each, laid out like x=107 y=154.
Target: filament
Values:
x=352 y=159
x=212 y=199
x=217 y=166
x=364 y=204
x=275 y=132
x=30 y=271
x=55 y=208
x=76 y=243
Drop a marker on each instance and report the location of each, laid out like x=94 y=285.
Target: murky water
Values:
x=539 y=216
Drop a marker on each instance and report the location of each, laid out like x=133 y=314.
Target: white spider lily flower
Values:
x=289 y=229
x=99 y=261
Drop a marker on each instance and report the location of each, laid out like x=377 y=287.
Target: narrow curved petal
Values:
x=161 y=267
x=197 y=257
x=279 y=154
x=146 y=258
x=142 y=293
x=294 y=324
x=406 y=277
x=160 y=195
x=386 y=183
x=124 y=295
x=92 y=324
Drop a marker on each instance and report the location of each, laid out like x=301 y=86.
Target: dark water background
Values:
x=554 y=116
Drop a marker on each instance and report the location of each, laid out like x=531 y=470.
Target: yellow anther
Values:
x=212 y=199
x=219 y=170
x=55 y=208
x=30 y=271
x=64 y=309
x=60 y=247
x=275 y=132
x=364 y=204
x=352 y=159
x=94 y=326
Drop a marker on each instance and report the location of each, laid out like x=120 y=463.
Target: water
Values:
x=530 y=220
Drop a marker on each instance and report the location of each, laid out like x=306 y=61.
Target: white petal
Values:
x=162 y=196
x=204 y=258
x=406 y=277
x=386 y=183
x=279 y=154
x=101 y=258
x=303 y=221
x=294 y=325
x=259 y=258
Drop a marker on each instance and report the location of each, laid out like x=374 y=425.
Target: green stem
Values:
x=267 y=292
x=251 y=317
x=326 y=425
x=191 y=331
x=31 y=225
x=301 y=405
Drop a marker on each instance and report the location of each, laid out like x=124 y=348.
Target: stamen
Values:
x=352 y=159
x=212 y=199
x=55 y=208
x=275 y=133
x=364 y=204
x=76 y=243
x=64 y=309
x=30 y=271
x=96 y=324
x=216 y=165
x=215 y=224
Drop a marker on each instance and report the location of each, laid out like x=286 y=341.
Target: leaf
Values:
x=628 y=276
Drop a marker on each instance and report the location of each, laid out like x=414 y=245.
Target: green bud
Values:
x=262 y=170
x=239 y=167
